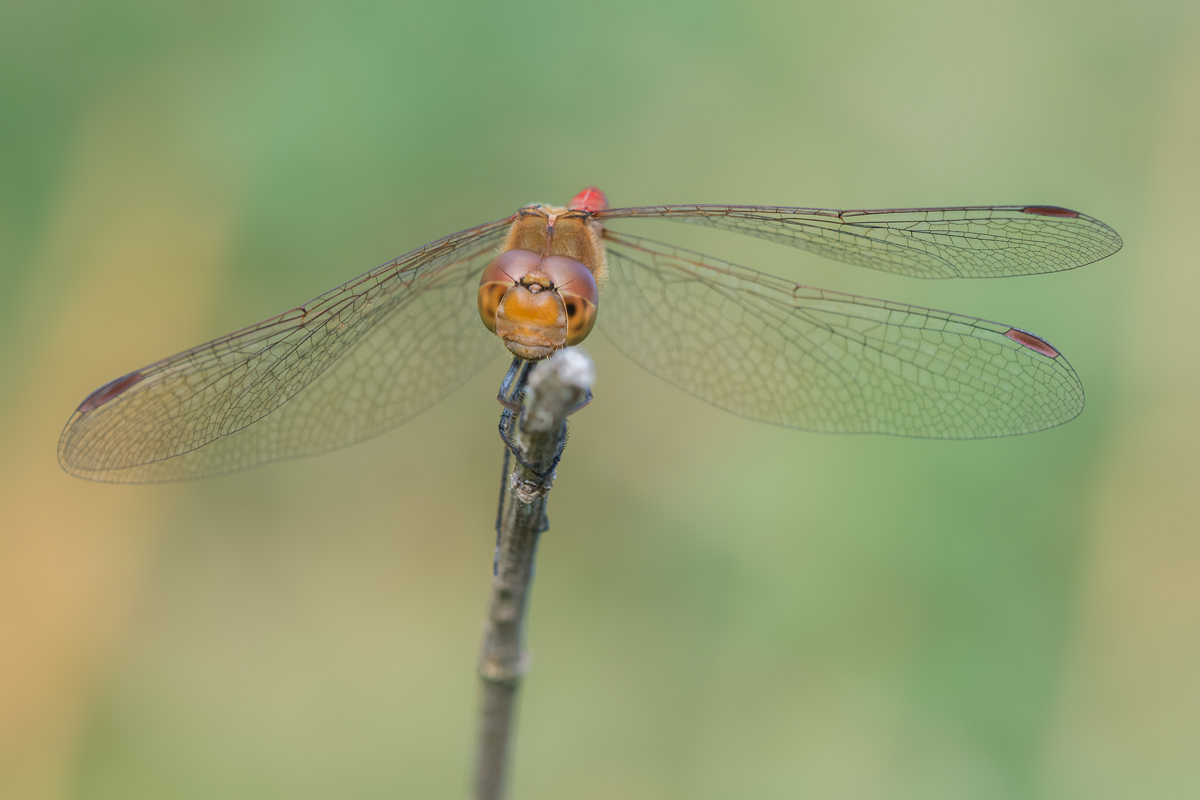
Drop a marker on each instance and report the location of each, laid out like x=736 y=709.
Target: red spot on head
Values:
x=590 y=199
x=108 y=391
x=1032 y=342
x=1050 y=211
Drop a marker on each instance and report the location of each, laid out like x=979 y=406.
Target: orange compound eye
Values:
x=581 y=317
x=490 y=295
x=505 y=271
x=577 y=288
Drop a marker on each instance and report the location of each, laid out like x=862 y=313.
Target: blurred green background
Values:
x=722 y=609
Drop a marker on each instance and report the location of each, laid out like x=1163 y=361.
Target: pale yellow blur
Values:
x=121 y=243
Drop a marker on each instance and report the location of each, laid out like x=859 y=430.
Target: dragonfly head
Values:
x=537 y=304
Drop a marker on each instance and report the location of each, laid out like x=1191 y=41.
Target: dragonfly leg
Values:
x=582 y=403
x=506 y=437
x=511 y=397
x=500 y=511
x=513 y=384
x=512 y=390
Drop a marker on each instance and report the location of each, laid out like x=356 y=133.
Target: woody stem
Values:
x=555 y=388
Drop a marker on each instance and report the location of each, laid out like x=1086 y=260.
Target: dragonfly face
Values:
x=540 y=294
x=376 y=351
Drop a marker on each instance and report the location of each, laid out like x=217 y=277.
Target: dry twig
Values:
x=556 y=388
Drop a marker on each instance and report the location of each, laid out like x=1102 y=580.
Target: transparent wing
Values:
x=968 y=242
x=353 y=363
x=774 y=351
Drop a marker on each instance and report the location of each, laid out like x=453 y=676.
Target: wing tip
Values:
x=110 y=391
x=1034 y=343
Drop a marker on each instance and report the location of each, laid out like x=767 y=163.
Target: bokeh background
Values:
x=722 y=609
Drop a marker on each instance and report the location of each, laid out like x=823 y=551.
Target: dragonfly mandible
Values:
x=376 y=351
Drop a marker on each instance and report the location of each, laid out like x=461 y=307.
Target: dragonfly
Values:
x=378 y=350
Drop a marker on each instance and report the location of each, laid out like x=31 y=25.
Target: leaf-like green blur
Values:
x=722 y=609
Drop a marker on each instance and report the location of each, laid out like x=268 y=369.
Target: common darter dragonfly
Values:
x=373 y=353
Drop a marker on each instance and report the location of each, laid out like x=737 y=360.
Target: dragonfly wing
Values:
x=823 y=361
x=966 y=242
x=353 y=363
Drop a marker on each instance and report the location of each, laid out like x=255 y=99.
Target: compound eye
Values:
x=511 y=266
x=577 y=288
x=490 y=295
x=581 y=317
x=505 y=272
